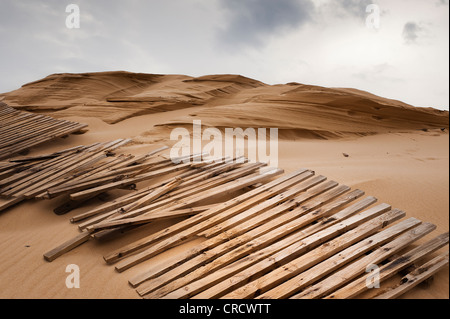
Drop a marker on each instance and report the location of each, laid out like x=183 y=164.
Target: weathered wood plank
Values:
x=67 y=246
x=185 y=197
x=356 y=237
x=178 y=238
x=237 y=204
x=125 y=199
x=227 y=183
x=343 y=276
x=128 y=181
x=50 y=173
x=277 y=254
x=246 y=235
x=249 y=240
x=251 y=229
x=416 y=277
x=393 y=267
x=10 y=202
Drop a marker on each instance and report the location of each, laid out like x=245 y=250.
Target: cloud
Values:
x=383 y=72
x=356 y=8
x=249 y=22
x=411 y=32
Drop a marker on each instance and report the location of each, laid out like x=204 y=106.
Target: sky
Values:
x=393 y=48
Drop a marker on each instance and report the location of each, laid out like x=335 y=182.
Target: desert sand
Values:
x=396 y=152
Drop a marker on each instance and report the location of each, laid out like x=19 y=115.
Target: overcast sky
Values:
x=319 y=42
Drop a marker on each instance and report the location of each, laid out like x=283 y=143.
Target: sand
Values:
x=396 y=153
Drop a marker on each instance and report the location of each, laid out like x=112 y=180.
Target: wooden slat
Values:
x=22 y=130
x=416 y=277
x=276 y=254
x=191 y=195
x=188 y=198
x=236 y=205
x=268 y=210
x=127 y=181
x=5 y=204
x=70 y=169
x=111 y=207
x=243 y=235
x=52 y=177
x=356 y=237
x=28 y=174
x=250 y=240
x=76 y=177
x=390 y=269
x=50 y=172
x=16 y=148
x=343 y=276
x=136 y=204
x=321 y=200
x=178 y=238
x=67 y=246
x=275 y=200
x=184 y=212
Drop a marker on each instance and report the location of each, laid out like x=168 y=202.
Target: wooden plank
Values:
x=236 y=205
x=156 y=193
x=26 y=175
x=142 y=158
x=6 y=172
x=184 y=212
x=246 y=235
x=4 y=205
x=129 y=171
x=41 y=125
x=296 y=189
x=274 y=255
x=22 y=122
x=127 y=181
x=110 y=208
x=416 y=277
x=43 y=137
x=66 y=246
x=14 y=134
x=26 y=144
x=101 y=178
x=229 y=182
x=343 y=276
x=46 y=156
x=390 y=269
x=77 y=177
x=294 y=203
x=363 y=238
x=227 y=241
x=227 y=176
x=57 y=178
x=250 y=240
x=178 y=238
x=66 y=164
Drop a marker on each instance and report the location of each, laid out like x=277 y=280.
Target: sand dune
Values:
x=396 y=152
x=125 y=94
x=307 y=111
x=225 y=101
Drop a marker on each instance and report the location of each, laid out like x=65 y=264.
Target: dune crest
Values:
x=302 y=111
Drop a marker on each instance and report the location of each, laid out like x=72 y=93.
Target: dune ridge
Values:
x=297 y=110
